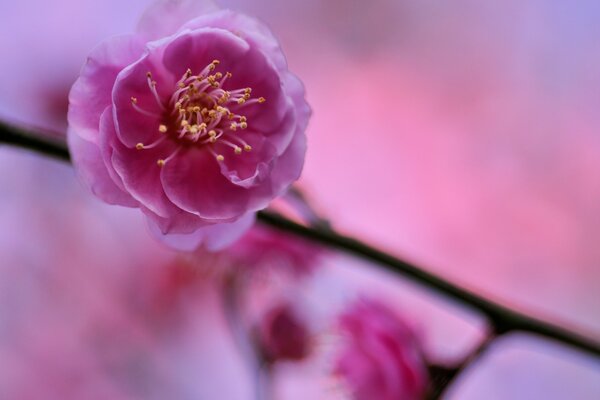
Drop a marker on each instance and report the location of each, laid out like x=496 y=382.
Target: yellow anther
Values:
x=134 y=100
x=243 y=119
x=212 y=113
x=237 y=150
x=233 y=126
x=243 y=125
x=196 y=109
x=247 y=147
x=216 y=62
x=202 y=126
x=162 y=128
x=218 y=75
x=139 y=146
x=220 y=158
x=213 y=139
x=181 y=85
x=161 y=163
x=229 y=75
x=241 y=100
x=212 y=132
x=261 y=99
x=184 y=122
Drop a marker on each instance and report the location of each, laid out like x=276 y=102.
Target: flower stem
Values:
x=502 y=319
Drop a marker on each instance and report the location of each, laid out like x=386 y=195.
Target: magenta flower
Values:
x=194 y=119
x=283 y=335
x=264 y=249
x=381 y=359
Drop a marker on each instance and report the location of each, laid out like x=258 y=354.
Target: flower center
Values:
x=200 y=112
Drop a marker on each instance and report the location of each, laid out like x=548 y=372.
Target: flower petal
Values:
x=213 y=237
x=91 y=93
x=193 y=181
x=139 y=123
x=289 y=166
x=92 y=171
x=140 y=174
x=250 y=29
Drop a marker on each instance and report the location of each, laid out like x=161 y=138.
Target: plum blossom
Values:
x=380 y=358
x=194 y=119
x=263 y=248
x=283 y=335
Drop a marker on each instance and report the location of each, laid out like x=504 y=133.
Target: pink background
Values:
x=461 y=135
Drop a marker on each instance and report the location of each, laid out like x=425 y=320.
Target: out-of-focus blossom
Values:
x=263 y=248
x=380 y=358
x=283 y=335
x=194 y=119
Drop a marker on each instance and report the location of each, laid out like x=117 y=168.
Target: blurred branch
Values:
x=442 y=377
x=503 y=319
x=17 y=137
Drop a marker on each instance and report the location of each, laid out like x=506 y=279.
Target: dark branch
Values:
x=17 y=137
x=502 y=318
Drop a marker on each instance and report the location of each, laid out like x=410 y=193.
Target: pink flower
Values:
x=381 y=359
x=263 y=249
x=282 y=335
x=194 y=119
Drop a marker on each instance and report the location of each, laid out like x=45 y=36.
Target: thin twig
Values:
x=503 y=319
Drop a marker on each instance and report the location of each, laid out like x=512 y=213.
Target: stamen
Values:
x=137 y=108
x=201 y=112
x=162 y=161
x=142 y=146
x=152 y=86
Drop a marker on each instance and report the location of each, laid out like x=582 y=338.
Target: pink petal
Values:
x=249 y=29
x=193 y=181
x=133 y=126
x=93 y=172
x=289 y=166
x=107 y=126
x=91 y=93
x=180 y=222
x=140 y=174
x=213 y=237
x=252 y=168
x=165 y=17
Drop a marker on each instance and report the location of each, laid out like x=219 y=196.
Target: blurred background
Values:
x=461 y=135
